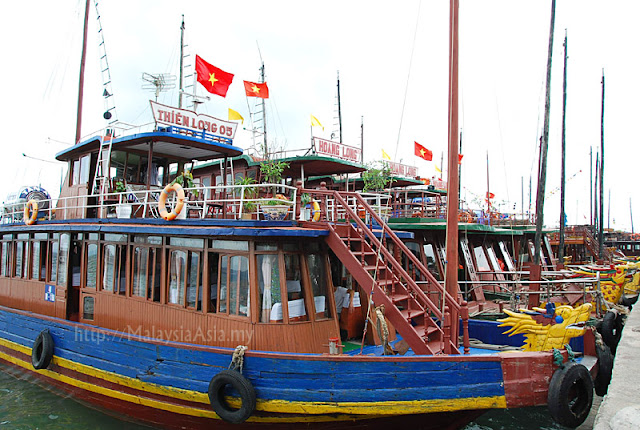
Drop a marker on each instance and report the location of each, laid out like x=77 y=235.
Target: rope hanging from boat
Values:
x=237 y=360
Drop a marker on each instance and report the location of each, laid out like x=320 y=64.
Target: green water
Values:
x=25 y=405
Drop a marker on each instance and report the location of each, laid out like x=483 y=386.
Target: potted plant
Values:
x=275 y=209
x=305 y=199
x=248 y=193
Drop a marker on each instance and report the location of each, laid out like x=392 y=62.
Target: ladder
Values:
x=109 y=102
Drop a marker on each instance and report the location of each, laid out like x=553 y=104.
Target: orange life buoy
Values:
x=162 y=203
x=315 y=211
x=465 y=217
x=30 y=219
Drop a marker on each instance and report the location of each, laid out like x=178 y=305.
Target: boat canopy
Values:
x=167 y=143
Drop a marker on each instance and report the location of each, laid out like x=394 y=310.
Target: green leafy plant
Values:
x=272 y=170
x=120 y=187
x=305 y=199
x=248 y=193
x=376 y=178
x=186 y=181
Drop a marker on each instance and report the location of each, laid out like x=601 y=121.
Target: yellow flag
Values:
x=437 y=170
x=233 y=115
x=385 y=155
x=315 y=122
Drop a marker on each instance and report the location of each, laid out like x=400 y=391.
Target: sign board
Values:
x=171 y=116
x=402 y=169
x=336 y=150
x=50 y=293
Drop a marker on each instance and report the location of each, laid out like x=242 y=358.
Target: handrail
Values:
x=234 y=195
x=399 y=270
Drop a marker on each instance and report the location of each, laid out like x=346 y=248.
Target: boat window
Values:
x=76 y=173
x=39 y=258
x=295 y=291
x=432 y=264
x=184 y=242
x=194 y=282
x=498 y=265
x=19 y=258
x=319 y=284
x=266 y=246
x=223 y=283
x=230 y=245
x=109 y=237
x=63 y=258
x=85 y=167
x=114 y=275
x=269 y=286
x=214 y=259
x=177 y=276
x=6 y=258
x=236 y=284
x=88 y=304
x=152 y=240
x=140 y=262
x=481 y=260
x=55 y=246
x=92 y=265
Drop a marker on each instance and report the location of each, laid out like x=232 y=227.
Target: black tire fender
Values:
x=42 y=350
x=217 y=392
x=605 y=369
x=611 y=330
x=628 y=301
x=570 y=395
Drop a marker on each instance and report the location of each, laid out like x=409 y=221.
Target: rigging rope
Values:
x=406 y=88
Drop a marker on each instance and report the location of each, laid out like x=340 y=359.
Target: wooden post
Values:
x=296 y=216
x=464 y=314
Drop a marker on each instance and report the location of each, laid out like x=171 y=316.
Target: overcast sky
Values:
x=503 y=54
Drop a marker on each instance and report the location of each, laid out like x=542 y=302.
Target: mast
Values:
x=451 y=271
x=590 y=185
x=601 y=223
x=361 y=139
x=596 y=206
x=181 y=63
x=459 y=172
x=488 y=191
x=542 y=178
x=339 y=111
x=631 y=214
x=264 y=114
x=564 y=147
x=83 y=58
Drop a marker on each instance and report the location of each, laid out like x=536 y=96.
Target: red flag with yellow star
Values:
x=256 y=90
x=214 y=80
x=423 y=152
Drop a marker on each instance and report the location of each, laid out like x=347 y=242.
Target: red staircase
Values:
x=416 y=311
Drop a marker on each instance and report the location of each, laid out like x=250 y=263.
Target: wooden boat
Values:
x=209 y=319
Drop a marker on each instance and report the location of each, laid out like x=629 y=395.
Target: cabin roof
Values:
x=316 y=165
x=166 y=144
x=430 y=224
x=189 y=227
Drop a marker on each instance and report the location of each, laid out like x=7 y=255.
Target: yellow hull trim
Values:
x=313 y=411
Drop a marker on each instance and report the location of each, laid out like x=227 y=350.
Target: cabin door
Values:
x=73 y=290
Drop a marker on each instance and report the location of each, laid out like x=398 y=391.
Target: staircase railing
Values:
x=447 y=311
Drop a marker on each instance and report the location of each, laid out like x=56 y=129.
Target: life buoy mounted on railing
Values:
x=30 y=219
x=315 y=211
x=162 y=203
